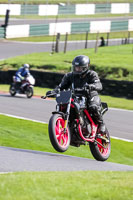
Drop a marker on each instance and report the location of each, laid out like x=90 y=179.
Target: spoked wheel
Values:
x=59 y=139
x=12 y=90
x=101 y=148
x=29 y=92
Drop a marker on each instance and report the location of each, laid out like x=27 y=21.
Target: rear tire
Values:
x=101 y=153
x=59 y=140
x=29 y=92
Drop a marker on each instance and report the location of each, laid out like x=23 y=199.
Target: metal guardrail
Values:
x=2 y=32
x=27 y=30
x=66 y=9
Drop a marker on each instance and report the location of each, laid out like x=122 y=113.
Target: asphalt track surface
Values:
x=46 y=20
x=12 y=159
x=10 y=49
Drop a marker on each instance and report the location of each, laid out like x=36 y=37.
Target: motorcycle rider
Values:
x=21 y=74
x=81 y=76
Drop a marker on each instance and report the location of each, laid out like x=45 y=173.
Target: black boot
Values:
x=101 y=124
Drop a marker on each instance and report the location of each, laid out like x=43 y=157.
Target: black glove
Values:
x=90 y=87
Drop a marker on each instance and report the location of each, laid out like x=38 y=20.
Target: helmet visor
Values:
x=78 y=69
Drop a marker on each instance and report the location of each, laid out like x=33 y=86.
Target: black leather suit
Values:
x=91 y=78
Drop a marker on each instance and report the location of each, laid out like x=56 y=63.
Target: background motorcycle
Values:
x=72 y=124
x=25 y=87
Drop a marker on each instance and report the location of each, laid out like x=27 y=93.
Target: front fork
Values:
x=67 y=115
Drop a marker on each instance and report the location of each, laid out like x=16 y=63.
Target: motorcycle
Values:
x=25 y=87
x=72 y=124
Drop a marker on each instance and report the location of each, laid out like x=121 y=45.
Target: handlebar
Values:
x=83 y=89
x=50 y=95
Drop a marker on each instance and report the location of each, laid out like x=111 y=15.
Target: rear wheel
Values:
x=59 y=139
x=29 y=92
x=101 y=148
x=12 y=90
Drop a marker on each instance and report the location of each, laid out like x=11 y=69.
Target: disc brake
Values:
x=99 y=143
x=105 y=140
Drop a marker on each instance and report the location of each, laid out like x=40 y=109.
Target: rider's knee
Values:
x=95 y=110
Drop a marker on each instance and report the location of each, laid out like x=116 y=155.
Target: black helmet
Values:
x=80 y=64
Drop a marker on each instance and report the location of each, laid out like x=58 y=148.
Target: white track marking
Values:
x=119 y=109
x=14 y=116
x=117 y=138
x=3 y=173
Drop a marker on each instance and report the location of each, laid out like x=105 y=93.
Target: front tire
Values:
x=29 y=92
x=12 y=90
x=60 y=140
x=101 y=153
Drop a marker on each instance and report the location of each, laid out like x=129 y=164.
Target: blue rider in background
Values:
x=21 y=74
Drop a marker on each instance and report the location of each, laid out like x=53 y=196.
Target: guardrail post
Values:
x=96 y=45
x=57 y=43
x=128 y=37
x=107 y=39
x=86 y=40
x=65 y=46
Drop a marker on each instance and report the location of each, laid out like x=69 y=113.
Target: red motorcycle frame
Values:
x=72 y=124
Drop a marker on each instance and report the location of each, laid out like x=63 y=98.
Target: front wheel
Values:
x=29 y=92
x=59 y=139
x=12 y=90
x=101 y=148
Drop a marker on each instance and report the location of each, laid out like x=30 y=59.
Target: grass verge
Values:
x=113 y=62
x=63 y=1
x=75 y=37
x=33 y=135
x=67 y=185
x=68 y=17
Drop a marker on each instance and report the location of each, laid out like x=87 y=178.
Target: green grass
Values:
x=67 y=186
x=115 y=102
x=112 y=101
x=74 y=37
x=113 y=62
x=68 y=16
x=63 y=1
x=35 y=136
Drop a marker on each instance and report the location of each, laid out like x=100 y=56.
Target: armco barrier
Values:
x=13 y=31
x=74 y=9
x=2 y=32
x=51 y=80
